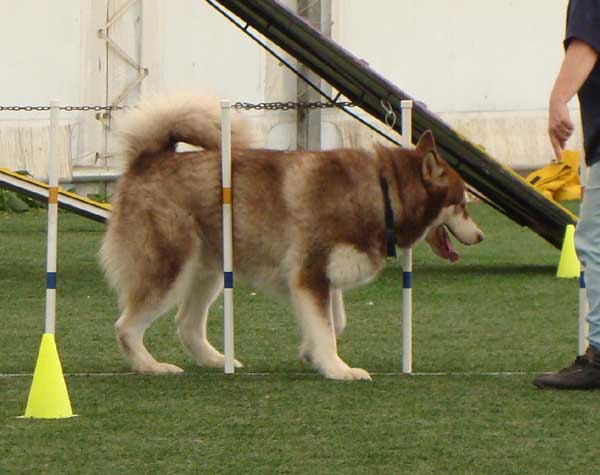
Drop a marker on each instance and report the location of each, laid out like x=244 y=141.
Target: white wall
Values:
x=455 y=55
x=201 y=50
x=485 y=66
x=40 y=50
x=40 y=46
x=459 y=55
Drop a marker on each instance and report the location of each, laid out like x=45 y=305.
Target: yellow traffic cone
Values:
x=568 y=265
x=48 y=397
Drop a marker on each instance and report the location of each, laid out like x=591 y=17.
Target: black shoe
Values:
x=584 y=373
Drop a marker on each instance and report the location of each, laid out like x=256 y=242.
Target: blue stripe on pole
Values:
x=407 y=280
x=51 y=280
x=228 y=280
x=582 y=280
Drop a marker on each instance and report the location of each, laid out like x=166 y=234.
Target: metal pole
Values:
x=53 y=171
x=582 y=324
x=582 y=333
x=308 y=121
x=406 y=107
x=227 y=237
x=407 y=311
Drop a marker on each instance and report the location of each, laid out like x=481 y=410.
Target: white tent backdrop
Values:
x=487 y=67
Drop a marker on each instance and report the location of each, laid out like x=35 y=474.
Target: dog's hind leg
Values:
x=130 y=329
x=192 y=317
x=338 y=311
x=314 y=311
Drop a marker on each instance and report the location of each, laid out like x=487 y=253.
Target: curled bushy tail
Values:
x=158 y=124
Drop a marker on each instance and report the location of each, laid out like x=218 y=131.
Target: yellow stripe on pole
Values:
x=227 y=196
x=53 y=195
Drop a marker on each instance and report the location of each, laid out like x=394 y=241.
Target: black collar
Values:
x=390 y=233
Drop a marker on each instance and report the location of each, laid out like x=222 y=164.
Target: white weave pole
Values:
x=582 y=326
x=227 y=237
x=406 y=107
x=582 y=330
x=53 y=171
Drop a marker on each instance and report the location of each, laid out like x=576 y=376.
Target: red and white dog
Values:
x=307 y=225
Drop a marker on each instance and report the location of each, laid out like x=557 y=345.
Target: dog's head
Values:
x=446 y=185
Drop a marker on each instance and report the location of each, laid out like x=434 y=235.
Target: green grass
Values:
x=499 y=310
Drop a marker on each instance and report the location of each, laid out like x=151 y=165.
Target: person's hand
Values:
x=560 y=126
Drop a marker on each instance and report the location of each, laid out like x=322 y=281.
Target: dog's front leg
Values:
x=338 y=311
x=313 y=307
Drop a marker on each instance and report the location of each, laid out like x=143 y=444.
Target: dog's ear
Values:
x=433 y=170
x=426 y=143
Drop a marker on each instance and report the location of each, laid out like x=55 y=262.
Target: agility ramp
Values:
x=500 y=186
x=38 y=190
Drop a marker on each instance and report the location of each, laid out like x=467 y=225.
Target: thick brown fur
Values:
x=306 y=226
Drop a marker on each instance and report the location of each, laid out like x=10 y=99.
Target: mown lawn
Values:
x=500 y=309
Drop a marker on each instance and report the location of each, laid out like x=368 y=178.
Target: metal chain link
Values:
x=390 y=115
x=94 y=108
x=272 y=106
x=24 y=108
x=64 y=108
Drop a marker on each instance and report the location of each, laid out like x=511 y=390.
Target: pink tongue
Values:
x=453 y=256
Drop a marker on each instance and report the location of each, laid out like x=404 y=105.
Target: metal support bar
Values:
x=119 y=13
x=584 y=308
x=112 y=45
x=102 y=34
x=308 y=121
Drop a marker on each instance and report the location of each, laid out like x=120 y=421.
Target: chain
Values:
x=24 y=108
x=63 y=108
x=94 y=108
x=390 y=115
x=272 y=106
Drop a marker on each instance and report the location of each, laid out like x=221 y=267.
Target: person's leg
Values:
x=584 y=373
x=587 y=244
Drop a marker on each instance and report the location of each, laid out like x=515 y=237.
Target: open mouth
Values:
x=440 y=242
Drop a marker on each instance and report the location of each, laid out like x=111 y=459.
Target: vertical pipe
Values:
x=406 y=107
x=582 y=325
x=407 y=311
x=582 y=334
x=308 y=121
x=227 y=236
x=51 y=244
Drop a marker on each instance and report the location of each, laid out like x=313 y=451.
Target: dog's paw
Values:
x=350 y=374
x=341 y=371
x=205 y=355
x=159 y=368
x=360 y=374
x=216 y=360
